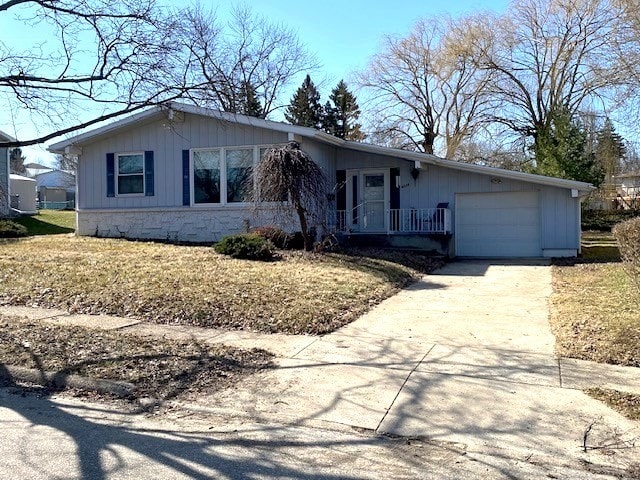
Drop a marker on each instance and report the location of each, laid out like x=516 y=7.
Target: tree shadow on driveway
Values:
x=48 y=437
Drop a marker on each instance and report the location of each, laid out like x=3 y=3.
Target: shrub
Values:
x=280 y=238
x=248 y=246
x=604 y=220
x=628 y=237
x=9 y=229
x=275 y=235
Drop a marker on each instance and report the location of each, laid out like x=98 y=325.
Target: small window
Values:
x=130 y=174
x=206 y=176
x=239 y=175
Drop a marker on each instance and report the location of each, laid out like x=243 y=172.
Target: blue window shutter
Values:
x=148 y=174
x=186 y=181
x=111 y=175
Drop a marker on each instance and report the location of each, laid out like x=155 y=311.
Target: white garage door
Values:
x=505 y=224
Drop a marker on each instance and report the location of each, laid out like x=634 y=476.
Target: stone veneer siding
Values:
x=176 y=224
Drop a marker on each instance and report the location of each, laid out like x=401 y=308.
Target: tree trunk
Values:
x=306 y=235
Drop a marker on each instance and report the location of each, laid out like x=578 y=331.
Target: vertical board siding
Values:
x=167 y=143
x=435 y=184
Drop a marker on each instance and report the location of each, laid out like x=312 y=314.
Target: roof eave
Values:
x=429 y=159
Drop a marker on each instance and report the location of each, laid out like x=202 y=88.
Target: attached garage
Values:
x=498 y=225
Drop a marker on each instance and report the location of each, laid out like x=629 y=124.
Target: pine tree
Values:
x=248 y=103
x=16 y=162
x=610 y=151
x=330 y=119
x=341 y=114
x=305 y=108
x=561 y=151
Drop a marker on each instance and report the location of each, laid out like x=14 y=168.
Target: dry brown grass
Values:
x=594 y=313
x=628 y=404
x=301 y=293
x=158 y=368
x=594 y=316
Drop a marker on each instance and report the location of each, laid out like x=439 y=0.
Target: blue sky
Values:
x=345 y=34
x=342 y=34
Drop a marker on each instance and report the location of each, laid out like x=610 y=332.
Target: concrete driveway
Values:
x=464 y=357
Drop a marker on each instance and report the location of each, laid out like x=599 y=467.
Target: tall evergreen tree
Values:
x=248 y=102
x=330 y=119
x=610 y=152
x=305 y=108
x=341 y=114
x=561 y=151
x=16 y=161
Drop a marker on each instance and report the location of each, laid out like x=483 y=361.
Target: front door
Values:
x=374 y=201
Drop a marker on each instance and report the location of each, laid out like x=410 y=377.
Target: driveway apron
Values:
x=464 y=356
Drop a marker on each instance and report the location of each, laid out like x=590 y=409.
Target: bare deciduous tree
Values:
x=289 y=171
x=550 y=56
x=247 y=52
x=426 y=86
x=100 y=59
x=66 y=162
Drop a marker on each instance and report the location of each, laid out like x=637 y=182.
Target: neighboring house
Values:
x=629 y=184
x=23 y=195
x=628 y=190
x=34 y=169
x=174 y=173
x=56 y=189
x=4 y=176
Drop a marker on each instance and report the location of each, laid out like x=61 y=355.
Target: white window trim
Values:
x=223 y=174
x=117 y=174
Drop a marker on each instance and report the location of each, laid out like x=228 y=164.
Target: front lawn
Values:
x=158 y=368
x=594 y=316
x=301 y=293
x=594 y=313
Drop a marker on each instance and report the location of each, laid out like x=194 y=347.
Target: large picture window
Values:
x=239 y=175
x=225 y=175
x=130 y=174
x=206 y=176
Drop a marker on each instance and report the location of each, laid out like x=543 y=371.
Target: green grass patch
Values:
x=49 y=222
x=300 y=293
x=594 y=313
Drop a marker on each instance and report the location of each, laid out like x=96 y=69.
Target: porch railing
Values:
x=399 y=220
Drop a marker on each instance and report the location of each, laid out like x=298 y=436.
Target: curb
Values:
x=62 y=380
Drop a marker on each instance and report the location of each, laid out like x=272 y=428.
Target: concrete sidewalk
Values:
x=465 y=356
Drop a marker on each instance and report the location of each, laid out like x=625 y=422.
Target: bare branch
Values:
x=102 y=60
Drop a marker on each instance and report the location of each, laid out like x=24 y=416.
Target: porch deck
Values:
x=366 y=220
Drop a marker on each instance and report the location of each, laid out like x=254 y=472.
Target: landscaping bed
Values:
x=169 y=284
x=158 y=368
